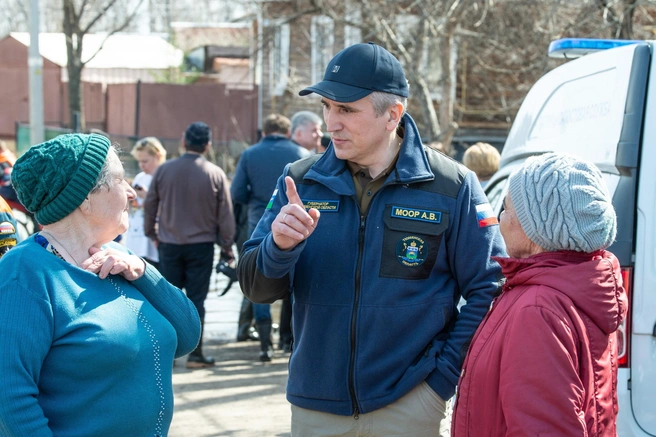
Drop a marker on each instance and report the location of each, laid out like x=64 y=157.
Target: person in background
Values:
x=187 y=210
x=376 y=239
x=306 y=130
x=255 y=179
x=150 y=154
x=6 y=155
x=483 y=159
x=544 y=360
x=325 y=142
x=8 y=228
x=245 y=320
x=89 y=330
x=7 y=160
x=436 y=145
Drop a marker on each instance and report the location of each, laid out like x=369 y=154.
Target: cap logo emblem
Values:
x=335 y=68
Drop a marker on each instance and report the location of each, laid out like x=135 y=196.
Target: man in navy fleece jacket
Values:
x=377 y=239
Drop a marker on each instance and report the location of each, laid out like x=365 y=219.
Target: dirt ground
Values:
x=238 y=397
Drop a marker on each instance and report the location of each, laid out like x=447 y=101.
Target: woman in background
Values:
x=483 y=159
x=150 y=154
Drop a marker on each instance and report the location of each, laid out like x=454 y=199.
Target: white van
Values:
x=602 y=107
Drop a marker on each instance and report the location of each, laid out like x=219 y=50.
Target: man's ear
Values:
x=395 y=113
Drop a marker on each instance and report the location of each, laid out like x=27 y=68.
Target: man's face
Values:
x=308 y=136
x=357 y=133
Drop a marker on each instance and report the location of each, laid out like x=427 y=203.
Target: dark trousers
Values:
x=189 y=267
x=286 y=321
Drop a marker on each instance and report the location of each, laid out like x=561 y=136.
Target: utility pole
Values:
x=35 y=64
x=259 y=65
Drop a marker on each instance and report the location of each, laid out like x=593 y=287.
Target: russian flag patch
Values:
x=485 y=215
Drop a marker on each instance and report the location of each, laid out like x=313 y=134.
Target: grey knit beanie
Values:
x=562 y=203
x=53 y=178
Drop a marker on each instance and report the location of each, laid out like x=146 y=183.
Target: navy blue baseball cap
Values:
x=359 y=70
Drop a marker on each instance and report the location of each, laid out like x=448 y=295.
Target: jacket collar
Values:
x=591 y=280
x=192 y=155
x=274 y=137
x=411 y=167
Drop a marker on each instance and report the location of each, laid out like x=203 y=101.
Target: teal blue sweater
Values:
x=83 y=356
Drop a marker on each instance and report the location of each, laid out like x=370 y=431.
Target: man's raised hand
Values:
x=293 y=224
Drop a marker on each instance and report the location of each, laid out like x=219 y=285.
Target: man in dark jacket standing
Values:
x=189 y=200
x=255 y=179
x=377 y=239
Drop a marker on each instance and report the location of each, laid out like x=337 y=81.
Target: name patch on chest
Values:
x=322 y=205
x=422 y=215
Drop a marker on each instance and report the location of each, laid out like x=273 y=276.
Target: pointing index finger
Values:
x=292 y=194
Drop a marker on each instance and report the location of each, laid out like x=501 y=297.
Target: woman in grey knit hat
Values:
x=544 y=360
x=88 y=331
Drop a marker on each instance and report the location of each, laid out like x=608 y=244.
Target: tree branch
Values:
x=120 y=28
x=101 y=13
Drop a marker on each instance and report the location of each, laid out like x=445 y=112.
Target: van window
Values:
x=495 y=195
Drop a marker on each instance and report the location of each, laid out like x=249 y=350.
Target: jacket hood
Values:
x=592 y=281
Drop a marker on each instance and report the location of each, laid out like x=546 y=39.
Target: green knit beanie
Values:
x=53 y=178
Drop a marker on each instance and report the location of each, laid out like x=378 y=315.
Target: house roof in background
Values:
x=190 y=36
x=120 y=50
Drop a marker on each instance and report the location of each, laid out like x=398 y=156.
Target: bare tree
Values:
x=13 y=16
x=469 y=63
x=505 y=52
x=414 y=31
x=79 y=19
x=619 y=14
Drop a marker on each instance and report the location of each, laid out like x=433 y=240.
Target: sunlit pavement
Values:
x=239 y=396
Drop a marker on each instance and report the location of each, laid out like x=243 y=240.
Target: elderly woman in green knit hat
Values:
x=89 y=330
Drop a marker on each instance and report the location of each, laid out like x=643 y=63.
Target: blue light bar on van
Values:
x=569 y=48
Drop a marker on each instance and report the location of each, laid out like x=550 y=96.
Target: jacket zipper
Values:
x=356 y=411
x=356 y=300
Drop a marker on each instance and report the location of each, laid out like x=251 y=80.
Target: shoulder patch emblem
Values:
x=485 y=215
x=273 y=198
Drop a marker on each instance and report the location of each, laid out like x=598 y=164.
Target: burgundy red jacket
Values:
x=544 y=360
